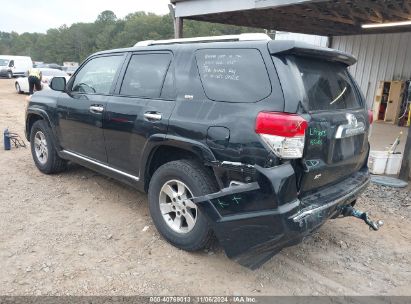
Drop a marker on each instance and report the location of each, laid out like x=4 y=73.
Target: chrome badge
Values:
x=352 y=120
x=352 y=128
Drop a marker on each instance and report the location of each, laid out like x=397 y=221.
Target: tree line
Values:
x=76 y=42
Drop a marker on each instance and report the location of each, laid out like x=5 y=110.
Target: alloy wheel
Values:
x=177 y=207
x=40 y=147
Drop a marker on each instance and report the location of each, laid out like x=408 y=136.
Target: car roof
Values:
x=274 y=46
x=14 y=57
x=50 y=70
x=159 y=47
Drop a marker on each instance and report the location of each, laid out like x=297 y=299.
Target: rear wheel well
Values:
x=165 y=154
x=30 y=122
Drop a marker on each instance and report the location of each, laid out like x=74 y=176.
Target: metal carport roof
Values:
x=321 y=17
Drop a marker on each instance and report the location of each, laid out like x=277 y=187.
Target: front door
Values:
x=81 y=108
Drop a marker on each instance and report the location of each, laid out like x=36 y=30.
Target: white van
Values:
x=11 y=66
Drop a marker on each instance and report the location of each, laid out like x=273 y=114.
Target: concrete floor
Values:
x=383 y=136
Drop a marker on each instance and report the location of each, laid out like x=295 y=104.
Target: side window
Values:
x=145 y=75
x=233 y=75
x=11 y=64
x=97 y=75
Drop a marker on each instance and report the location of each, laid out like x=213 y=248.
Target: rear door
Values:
x=337 y=135
x=141 y=107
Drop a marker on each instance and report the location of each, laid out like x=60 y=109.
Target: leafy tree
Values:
x=106 y=17
x=76 y=42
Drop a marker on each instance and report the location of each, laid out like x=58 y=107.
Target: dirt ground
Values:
x=80 y=233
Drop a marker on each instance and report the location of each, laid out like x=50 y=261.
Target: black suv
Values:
x=255 y=142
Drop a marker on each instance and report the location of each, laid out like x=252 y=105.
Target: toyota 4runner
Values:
x=254 y=142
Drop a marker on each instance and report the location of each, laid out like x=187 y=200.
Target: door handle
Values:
x=96 y=109
x=153 y=116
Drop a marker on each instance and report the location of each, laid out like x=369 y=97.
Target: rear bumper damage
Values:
x=253 y=223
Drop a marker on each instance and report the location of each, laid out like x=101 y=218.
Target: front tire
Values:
x=174 y=214
x=9 y=74
x=18 y=89
x=43 y=149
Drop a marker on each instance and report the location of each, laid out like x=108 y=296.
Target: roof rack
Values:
x=224 y=38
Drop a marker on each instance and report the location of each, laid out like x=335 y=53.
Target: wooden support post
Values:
x=178 y=27
x=405 y=171
x=178 y=22
x=330 y=41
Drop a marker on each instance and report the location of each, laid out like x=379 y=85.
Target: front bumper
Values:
x=252 y=237
x=4 y=72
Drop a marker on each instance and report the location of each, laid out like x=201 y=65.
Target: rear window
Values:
x=327 y=85
x=233 y=75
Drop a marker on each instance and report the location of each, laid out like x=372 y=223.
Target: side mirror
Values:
x=58 y=84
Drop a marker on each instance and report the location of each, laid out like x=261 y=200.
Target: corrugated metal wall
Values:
x=313 y=39
x=380 y=57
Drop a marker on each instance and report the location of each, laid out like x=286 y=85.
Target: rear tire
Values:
x=43 y=149
x=197 y=181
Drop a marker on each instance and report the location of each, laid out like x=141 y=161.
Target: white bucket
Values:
x=382 y=162
x=393 y=164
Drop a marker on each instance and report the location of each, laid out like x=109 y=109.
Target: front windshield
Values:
x=4 y=62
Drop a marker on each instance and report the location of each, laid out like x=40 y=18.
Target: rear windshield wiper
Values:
x=339 y=96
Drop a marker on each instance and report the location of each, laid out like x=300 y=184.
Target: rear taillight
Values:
x=370 y=116
x=283 y=133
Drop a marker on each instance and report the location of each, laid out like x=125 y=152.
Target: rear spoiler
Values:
x=282 y=47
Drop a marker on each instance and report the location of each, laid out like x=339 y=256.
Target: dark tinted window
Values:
x=145 y=75
x=233 y=75
x=97 y=75
x=327 y=85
